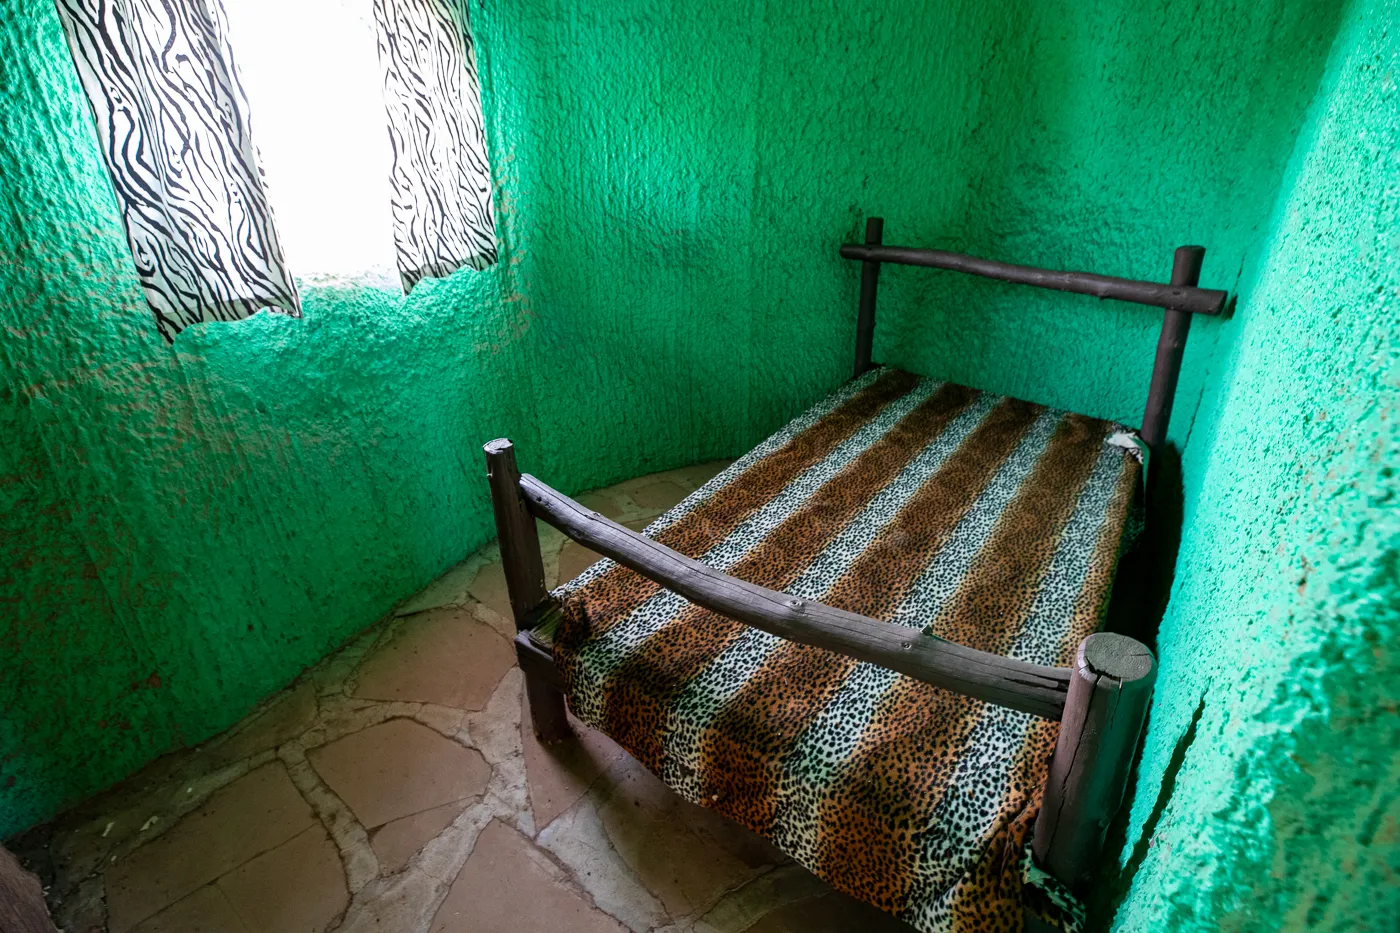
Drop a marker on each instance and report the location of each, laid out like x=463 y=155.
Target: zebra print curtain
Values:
x=441 y=178
x=173 y=126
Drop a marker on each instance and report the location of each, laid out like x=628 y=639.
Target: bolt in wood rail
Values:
x=1174 y=297
x=1030 y=688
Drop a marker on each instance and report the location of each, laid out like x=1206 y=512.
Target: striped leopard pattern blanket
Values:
x=985 y=520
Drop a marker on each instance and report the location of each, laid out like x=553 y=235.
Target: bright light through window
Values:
x=315 y=93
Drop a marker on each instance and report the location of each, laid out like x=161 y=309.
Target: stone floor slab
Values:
x=442 y=656
x=560 y=774
x=254 y=814
x=399 y=840
x=699 y=474
x=205 y=911
x=399 y=768
x=574 y=559
x=831 y=913
x=281 y=720
x=659 y=494
x=298 y=887
x=509 y=886
x=489 y=589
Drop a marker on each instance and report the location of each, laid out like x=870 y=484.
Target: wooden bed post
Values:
x=1104 y=712
x=524 y=571
x=1166 y=369
x=869 y=280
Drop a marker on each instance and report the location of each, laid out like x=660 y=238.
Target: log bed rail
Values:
x=1030 y=688
x=1180 y=299
x=1101 y=702
x=1155 y=294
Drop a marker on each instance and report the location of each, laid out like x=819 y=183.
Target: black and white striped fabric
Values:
x=441 y=178
x=173 y=125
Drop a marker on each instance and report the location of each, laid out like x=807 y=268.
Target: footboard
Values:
x=1101 y=702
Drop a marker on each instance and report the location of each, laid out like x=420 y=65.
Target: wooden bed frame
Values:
x=1101 y=701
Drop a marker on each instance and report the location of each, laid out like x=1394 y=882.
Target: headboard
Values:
x=1181 y=299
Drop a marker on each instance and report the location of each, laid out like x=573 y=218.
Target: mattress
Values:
x=989 y=521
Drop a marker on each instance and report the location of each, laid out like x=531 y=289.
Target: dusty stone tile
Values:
x=139 y=809
x=560 y=774
x=507 y=886
x=495 y=732
x=349 y=835
x=205 y=911
x=85 y=909
x=442 y=656
x=329 y=675
x=398 y=840
x=255 y=813
x=659 y=494
x=399 y=768
x=443 y=719
x=550 y=538
x=831 y=913
x=450 y=589
x=574 y=559
x=285 y=718
x=693 y=477
x=489 y=589
x=685 y=855
x=577 y=838
x=741 y=908
x=408 y=900
x=297 y=887
x=604 y=502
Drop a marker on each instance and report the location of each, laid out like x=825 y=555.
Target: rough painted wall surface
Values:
x=1269 y=792
x=185 y=528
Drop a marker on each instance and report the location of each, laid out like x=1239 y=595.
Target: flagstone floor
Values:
x=393 y=789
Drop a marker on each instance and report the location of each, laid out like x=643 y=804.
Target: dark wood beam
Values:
x=524 y=571
x=1031 y=688
x=1174 y=297
x=869 y=285
x=1171 y=345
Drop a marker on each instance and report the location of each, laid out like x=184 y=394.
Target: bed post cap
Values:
x=1111 y=655
x=499 y=445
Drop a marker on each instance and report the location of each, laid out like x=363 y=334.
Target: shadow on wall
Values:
x=1145 y=573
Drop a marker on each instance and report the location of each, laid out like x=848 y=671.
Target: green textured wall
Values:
x=185 y=528
x=1269 y=792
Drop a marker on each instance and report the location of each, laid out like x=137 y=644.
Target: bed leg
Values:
x=869 y=284
x=1171 y=344
x=1104 y=712
x=524 y=572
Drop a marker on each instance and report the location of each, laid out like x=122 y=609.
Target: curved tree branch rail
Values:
x=1030 y=688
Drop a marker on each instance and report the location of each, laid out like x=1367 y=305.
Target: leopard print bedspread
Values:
x=985 y=520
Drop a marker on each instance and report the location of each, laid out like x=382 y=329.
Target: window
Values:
x=315 y=92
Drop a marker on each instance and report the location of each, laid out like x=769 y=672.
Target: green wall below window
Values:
x=183 y=529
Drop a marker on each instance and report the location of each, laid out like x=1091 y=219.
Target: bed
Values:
x=874 y=639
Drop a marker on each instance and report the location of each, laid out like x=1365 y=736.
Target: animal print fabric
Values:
x=172 y=124
x=441 y=179
x=986 y=520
